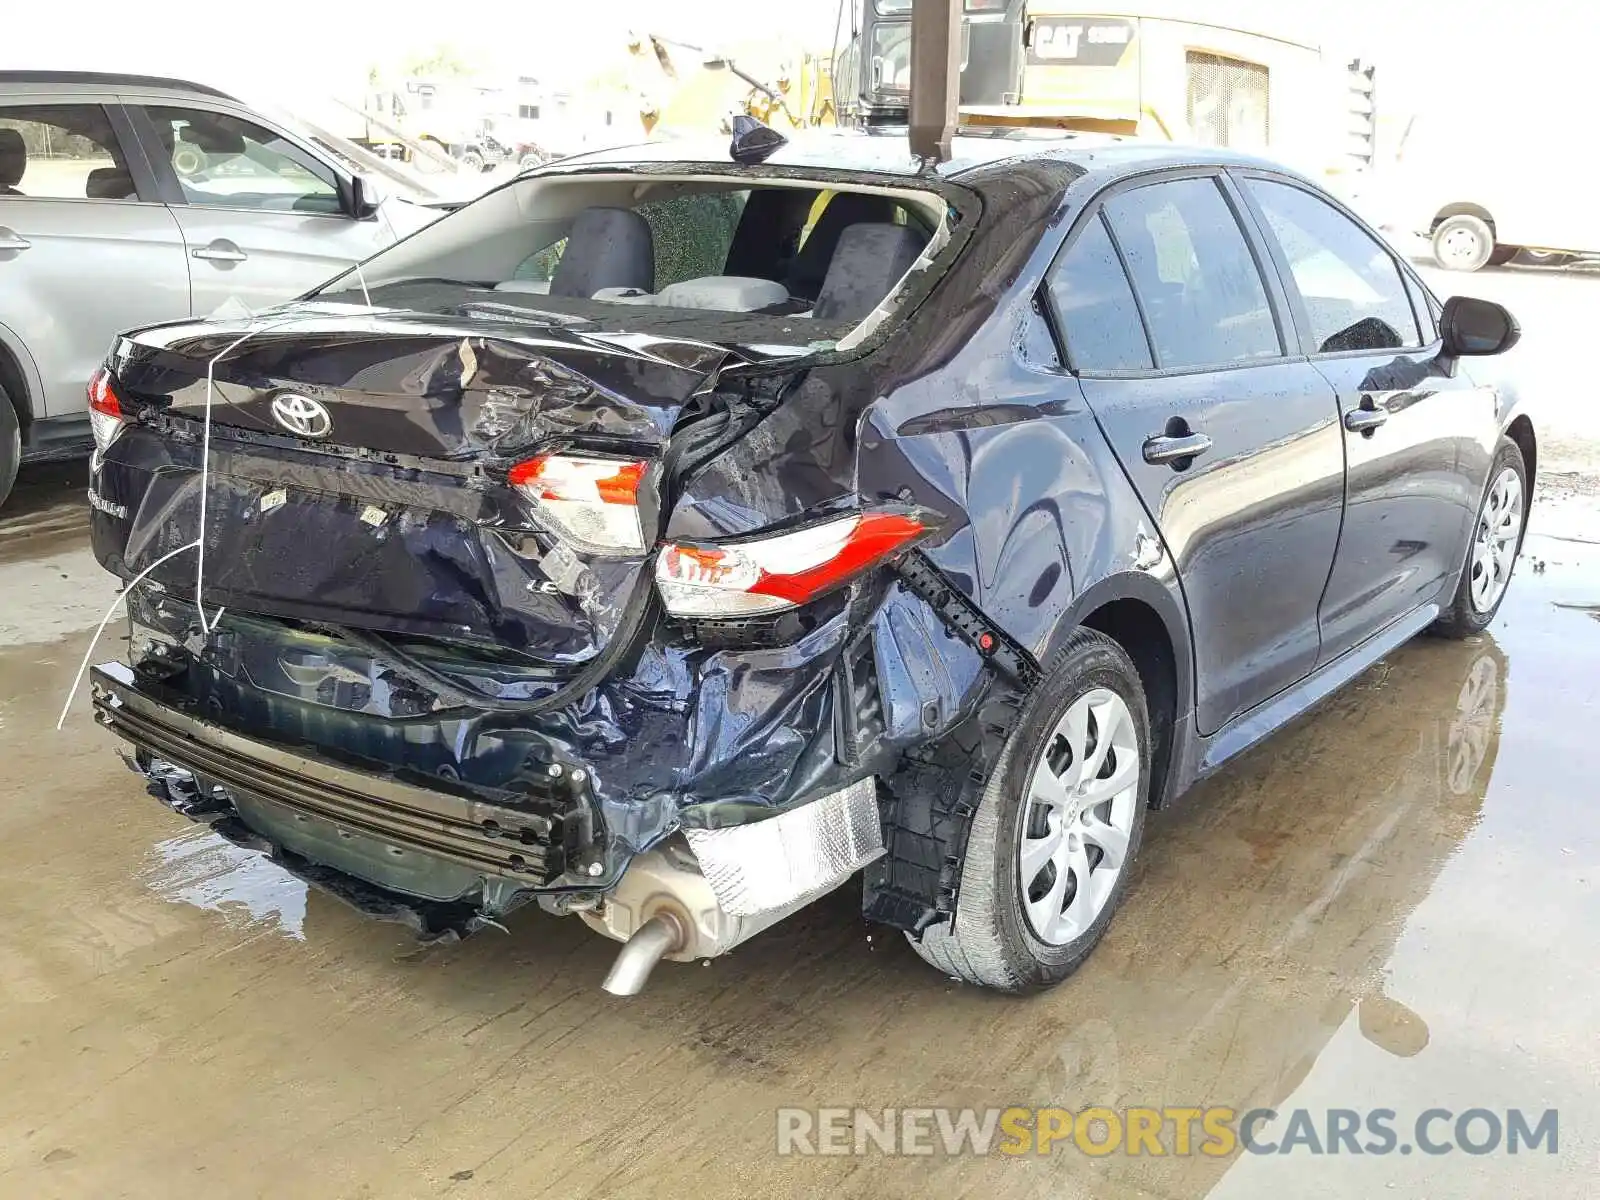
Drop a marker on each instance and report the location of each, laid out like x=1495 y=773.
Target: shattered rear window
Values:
x=754 y=262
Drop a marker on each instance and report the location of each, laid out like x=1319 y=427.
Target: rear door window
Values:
x=1093 y=305
x=1202 y=293
x=1353 y=292
x=62 y=152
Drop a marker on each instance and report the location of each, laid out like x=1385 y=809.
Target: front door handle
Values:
x=1177 y=449
x=12 y=241
x=1366 y=419
x=221 y=251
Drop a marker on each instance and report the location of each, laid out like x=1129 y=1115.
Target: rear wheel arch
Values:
x=1139 y=630
x=14 y=383
x=1462 y=208
x=1141 y=615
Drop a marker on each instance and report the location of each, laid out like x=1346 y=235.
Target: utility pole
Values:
x=935 y=76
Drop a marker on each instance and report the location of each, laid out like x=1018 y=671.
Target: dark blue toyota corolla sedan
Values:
x=666 y=538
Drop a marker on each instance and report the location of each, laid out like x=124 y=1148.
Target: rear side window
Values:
x=1198 y=282
x=1353 y=292
x=1093 y=305
x=61 y=152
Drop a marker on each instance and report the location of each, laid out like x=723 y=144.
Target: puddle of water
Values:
x=243 y=886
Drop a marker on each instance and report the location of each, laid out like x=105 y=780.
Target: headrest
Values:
x=109 y=183
x=870 y=260
x=723 y=293
x=606 y=248
x=13 y=157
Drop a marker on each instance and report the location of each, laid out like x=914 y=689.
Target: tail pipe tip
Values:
x=656 y=938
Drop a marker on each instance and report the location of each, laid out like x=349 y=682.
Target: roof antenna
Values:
x=752 y=141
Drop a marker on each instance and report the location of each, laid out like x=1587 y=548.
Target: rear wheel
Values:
x=1463 y=242
x=1057 y=828
x=10 y=445
x=1496 y=542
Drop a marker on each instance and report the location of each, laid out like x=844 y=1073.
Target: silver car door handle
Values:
x=1366 y=419
x=1169 y=449
x=13 y=241
x=216 y=253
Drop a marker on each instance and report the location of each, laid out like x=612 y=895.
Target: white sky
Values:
x=1445 y=56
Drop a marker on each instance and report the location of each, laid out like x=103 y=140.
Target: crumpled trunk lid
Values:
x=397 y=517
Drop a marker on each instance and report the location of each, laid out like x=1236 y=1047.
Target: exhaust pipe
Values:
x=656 y=938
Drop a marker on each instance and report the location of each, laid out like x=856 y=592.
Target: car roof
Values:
x=103 y=81
x=885 y=151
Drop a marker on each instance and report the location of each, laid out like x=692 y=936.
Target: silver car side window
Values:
x=61 y=152
x=225 y=161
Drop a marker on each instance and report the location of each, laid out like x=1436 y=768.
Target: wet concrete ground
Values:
x=1395 y=904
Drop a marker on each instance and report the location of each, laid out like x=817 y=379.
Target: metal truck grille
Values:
x=1227 y=101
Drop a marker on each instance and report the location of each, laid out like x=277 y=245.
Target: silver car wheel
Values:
x=1078 y=817
x=1460 y=246
x=1494 y=547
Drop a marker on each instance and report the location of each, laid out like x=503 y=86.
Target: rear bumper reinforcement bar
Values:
x=511 y=842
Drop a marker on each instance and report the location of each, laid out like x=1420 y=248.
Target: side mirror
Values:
x=1470 y=326
x=364 y=197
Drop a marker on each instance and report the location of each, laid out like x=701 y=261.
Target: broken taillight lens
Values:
x=106 y=418
x=786 y=570
x=591 y=502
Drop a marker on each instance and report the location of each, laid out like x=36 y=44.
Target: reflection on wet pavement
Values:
x=197 y=867
x=1394 y=904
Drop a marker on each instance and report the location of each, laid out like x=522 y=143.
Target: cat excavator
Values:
x=687 y=88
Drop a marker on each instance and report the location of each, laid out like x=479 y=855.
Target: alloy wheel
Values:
x=1078 y=817
x=1494 y=546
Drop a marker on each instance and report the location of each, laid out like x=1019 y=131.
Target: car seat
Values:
x=13 y=161
x=869 y=260
x=606 y=248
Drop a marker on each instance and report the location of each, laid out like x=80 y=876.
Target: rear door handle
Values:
x=220 y=251
x=1176 y=449
x=12 y=241
x=1366 y=419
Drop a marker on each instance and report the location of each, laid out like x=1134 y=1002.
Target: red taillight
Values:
x=592 y=502
x=105 y=410
x=770 y=574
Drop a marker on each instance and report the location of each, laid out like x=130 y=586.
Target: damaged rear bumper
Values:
x=447 y=864
x=311 y=805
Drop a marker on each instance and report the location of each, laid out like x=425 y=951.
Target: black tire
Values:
x=1464 y=618
x=1463 y=243
x=1501 y=255
x=992 y=942
x=10 y=445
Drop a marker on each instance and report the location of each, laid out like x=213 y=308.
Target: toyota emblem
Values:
x=301 y=415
